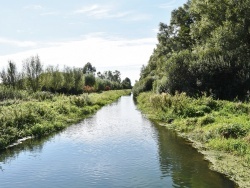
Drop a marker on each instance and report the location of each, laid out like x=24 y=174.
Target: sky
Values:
x=110 y=34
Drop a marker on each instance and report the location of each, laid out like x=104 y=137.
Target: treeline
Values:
x=34 y=77
x=204 y=49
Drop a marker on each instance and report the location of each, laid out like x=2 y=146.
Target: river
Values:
x=116 y=147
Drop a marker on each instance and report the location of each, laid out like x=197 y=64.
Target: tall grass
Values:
x=220 y=125
x=9 y=93
x=45 y=113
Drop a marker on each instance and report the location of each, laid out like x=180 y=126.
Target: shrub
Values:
x=80 y=101
x=7 y=93
x=207 y=120
x=88 y=89
x=232 y=131
x=43 y=95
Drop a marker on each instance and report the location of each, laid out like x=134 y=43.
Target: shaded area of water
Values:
x=117 y=147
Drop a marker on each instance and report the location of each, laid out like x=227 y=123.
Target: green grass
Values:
x=220 y=126
x=44 y=113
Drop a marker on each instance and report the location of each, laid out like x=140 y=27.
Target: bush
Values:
x=7 y=93
x=80 y=101
x=43 y=95
x=207 y=120
x=143 y=85
x=233 y=131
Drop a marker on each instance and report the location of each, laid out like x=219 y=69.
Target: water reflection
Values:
x=33 y=146
x=182 y=162
x=117 y=147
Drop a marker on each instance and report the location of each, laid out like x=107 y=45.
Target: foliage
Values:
x=126 y=83
x=9 y=77
x=233 y=131
x=89 y=80
x=217 y=124
x=7 y=93
x=67 y=81
x=44 y=113
x=33 y=69
x=88 y=89
x=204 y=49
x=88 y=69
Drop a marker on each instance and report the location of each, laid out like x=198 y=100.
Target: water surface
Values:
x=116 y=147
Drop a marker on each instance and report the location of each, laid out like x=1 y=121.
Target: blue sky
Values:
x=110 y=34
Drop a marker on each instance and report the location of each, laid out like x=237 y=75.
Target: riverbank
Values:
x=44 y=113
x=218 y=129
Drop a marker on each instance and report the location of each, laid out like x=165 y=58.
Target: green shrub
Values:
x=80 y=101
x=7 y=93
x=207 y=120
x=237 y=108
x=233 y=131
x=43 y=95
x=62 y=108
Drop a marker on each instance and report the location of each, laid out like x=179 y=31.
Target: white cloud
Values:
x=101 y=12
x=138 y=17
x=87 y=9
x=124 y=55
x=49 y=13
x=34 y=7
x=169 y=5
x=17 y=43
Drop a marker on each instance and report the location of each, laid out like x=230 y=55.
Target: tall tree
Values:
x=69 y=81
x=126 y=83
x=33 y=69
x=89 y=69
x=10 y=77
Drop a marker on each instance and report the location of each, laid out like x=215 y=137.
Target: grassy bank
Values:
x=218 y=129
x=42 y=113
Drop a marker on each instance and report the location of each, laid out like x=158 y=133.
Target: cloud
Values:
x=169 y=5
x=49 y=13
x=33 y=7
x=17 y=43
x=138 y=17
x=124 y=55
x=88 y=9
x=101 y=12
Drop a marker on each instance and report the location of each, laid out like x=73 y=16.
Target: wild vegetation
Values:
x=41 y=113
x=34 y=77
x=218 y=128
x=204 y=49
x=200 y=64
x=37 y=101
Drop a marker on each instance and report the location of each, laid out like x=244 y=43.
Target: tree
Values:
x=10 y=77
x=126 y=83
x=69 y=81
x=79 y=81
x=33 y=69
x=89 y=69
x=89 y=80
x=57 y=81
x=117 y=76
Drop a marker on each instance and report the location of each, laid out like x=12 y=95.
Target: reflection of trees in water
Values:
x=184 y=164
x=32 y=145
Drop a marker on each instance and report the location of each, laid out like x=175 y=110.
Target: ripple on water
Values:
x=117 y=147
